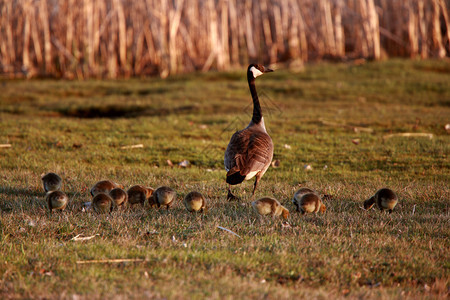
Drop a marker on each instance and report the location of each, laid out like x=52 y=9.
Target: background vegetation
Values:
x=331 y=117
x=122 y=38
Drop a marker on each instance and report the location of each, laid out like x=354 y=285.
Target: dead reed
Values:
x=122 y=38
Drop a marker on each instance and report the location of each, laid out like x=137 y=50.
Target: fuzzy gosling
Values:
x=138 y=194
x=56 y=200
x=385 y=198
x=102 y=203
x=195 y=202
x=270 y=206
x=104 y=186
x=51 y=182
x=164 y=196
x=119 y=196
x=310 y=203
x=298 y=194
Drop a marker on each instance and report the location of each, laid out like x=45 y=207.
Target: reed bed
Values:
x=123 y=38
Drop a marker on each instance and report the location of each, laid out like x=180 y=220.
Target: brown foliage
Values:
x=121 y=38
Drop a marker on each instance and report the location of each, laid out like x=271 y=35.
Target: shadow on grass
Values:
x=20 y=191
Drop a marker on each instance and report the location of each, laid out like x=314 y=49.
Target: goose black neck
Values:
x=257 y=113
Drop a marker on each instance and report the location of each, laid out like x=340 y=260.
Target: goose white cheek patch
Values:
x=255 y=72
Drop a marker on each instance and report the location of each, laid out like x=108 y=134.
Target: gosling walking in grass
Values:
x=195 y=202
x=51 y=182
x=250 y=150
x=270 y=206
x=104 y=186
x=138 y=194
x=119 y=197
x=309 y=203
x=102 y=203
x=56 y=200
x=164 y=196
x=385 y=198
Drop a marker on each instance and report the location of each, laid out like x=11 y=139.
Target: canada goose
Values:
x=310 y=203
x=104 y=186
x=385 y=199
x=138 y=194
x=119 y=196
x=56 y=200
x=52 y=182
x=270 y=206
x=102 y=203
x=250 y=150
x=164 y=196
x=194 y=201
x=299 y=194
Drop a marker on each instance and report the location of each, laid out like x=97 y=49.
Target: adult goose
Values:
x=250 y=150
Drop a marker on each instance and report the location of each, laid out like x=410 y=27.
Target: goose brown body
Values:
x=119 y=197
x=384 y=198
x=139 y=194
x=164 y=196
x=102 y=203
x=310 y=203
x=195 y=202
x=270 y=206
x=103 y=186
x=51 y=182
x=250 y=150
x=57 y=200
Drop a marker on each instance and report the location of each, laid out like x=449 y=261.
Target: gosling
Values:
x=119 y=196
x=51 y=182
x=310 y=203
x=270 y=206
x=104 y=186
x=298 y=194
x=102 y=203
x=164 y=196
x=56 y=200
x=138 y=194
x=195 y=202
x=385 y=198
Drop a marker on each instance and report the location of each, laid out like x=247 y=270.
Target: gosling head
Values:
x=102 y=203
x=323 y=208
x=255 y=70
x=285 y=213
x=51 y=182
x=119 y=196
x=56 y=200
x=369 y=203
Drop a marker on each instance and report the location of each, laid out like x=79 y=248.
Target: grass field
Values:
x=333 y=117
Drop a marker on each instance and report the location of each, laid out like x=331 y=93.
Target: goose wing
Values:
x=249 y=151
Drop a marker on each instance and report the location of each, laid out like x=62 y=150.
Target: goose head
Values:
x=255 y=70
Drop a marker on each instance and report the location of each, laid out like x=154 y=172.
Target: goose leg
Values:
x=255 y=186
x=230 y=195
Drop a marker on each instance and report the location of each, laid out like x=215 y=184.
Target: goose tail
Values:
x=235 y=178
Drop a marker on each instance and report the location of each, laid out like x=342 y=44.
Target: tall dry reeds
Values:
x=121 y=38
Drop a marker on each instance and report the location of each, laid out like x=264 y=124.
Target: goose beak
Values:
x=267 y=70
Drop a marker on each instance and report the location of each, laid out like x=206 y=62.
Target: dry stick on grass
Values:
x=408 y=134
x=87 y=238
x=106 y=261
x=132 y=146
x=226 y=229
x=5 y=145
x=354 y=128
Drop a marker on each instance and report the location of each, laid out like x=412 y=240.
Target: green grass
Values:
x=77 y=129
